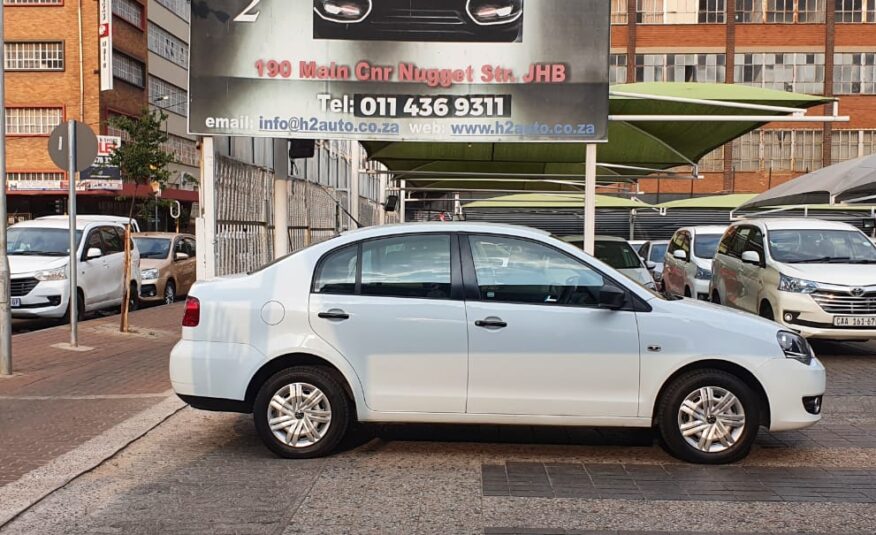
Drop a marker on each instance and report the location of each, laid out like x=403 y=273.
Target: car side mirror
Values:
x=92 y=253
x=650 y=265
x=680 y=255
x=751 y=257
x=612 y=297
x=181 y=256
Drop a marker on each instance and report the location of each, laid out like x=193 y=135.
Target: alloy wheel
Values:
x=169 y=294
x=299 y=415
x=711 y=419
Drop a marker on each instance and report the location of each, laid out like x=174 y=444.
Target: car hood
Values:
x=28 y=264
x=150 y=263
x=640 y=275
x=839 y=274
x=694 y=310
x=705 y=263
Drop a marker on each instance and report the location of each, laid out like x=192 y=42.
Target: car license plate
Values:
x=15 y=302
x=855 y=321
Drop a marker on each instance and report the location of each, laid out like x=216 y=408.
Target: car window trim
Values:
x=634 y=302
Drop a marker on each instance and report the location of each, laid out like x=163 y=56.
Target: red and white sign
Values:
x=106 y=45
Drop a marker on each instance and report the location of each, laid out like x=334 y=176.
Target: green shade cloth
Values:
x=559 y=200
x=660 y=145
x=716 y=202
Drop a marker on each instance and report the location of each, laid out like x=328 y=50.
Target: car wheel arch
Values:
x=717 y=364
x=292 y=360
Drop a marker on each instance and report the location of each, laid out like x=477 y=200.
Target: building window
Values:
x=618 y=11
x=749 y=11
x=796 y=71
x=617 y=69
x=34 y=56
x=167 y=96
x=780 y=11
x=855 y=10
x=778 y=150
x=33 y=2
x=854 y=73
x=851 y=144
x=808 y=154
x=184 y=151
x=32 y=121
x=168 y=46
x=649 y=11
x=129 y=11
x=181 y=8
x=711 y=11
x=747 y=152
x=35 y=176
x=810 y=11
x=680 y=68
x=713 y=162
x=128 y=69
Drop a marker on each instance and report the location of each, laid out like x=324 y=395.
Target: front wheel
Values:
x=301 y=413
x=709 y=417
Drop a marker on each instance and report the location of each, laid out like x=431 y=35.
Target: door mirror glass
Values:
x=93 y=253
x=182 y=256
x=650 y=265
x=612 y=297
x=680 y=255
x=751 y=257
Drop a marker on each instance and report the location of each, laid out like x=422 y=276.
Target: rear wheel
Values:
x=133 y=298
x=301 y=413
x=169 y=293
x=80 y=308
x=709 y=417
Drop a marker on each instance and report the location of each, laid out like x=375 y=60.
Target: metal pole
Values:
x=590 y=199
x=5 y=305
x=71 y=178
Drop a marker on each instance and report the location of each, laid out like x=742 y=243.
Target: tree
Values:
x=142 y=159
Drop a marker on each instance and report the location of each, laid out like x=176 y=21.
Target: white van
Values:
x=687 y=264
x=39 y=260
x=91 y=218
x=815 y=277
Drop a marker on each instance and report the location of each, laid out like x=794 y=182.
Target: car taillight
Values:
x=192 y=317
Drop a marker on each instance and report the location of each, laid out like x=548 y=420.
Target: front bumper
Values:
x=152 y=290
x=48 y=299
x=789 y=386
x=811 y=321
x=701 y=289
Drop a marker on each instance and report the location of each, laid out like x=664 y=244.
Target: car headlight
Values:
x=343 y=11
x=797 y=286
x=494 y=11
x=795 y=346
x=149 y=274
x=703 y=274
x=57 y=274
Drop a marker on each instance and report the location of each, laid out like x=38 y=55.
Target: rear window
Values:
x=658 y=251
x=616 y=254
x=705 y=245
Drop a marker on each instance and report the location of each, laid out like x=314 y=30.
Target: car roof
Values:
x=796 y=223
x=160 y=235
x=705 y=229
x=60 y=223
x=446 y=226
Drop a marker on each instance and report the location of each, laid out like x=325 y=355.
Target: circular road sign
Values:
x=86 y=146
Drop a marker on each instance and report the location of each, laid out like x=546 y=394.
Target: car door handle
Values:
x=491 y=323
x=334 y=314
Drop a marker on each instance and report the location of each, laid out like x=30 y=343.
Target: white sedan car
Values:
x=483 y=324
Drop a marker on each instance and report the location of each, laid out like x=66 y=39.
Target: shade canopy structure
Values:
x=712 y=202
x=524 y=201
x=849 y=181
x=653 y=127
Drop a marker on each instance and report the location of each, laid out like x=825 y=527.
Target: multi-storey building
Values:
x=819 y=47
x=52 y=63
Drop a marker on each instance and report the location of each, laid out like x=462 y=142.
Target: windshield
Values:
x=157 y=248
x=706 y=245
x=34 y=241
x=658 y=250
x=617 y=254
x=821 y=247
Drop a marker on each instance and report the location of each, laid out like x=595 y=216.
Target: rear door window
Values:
x=407 y=266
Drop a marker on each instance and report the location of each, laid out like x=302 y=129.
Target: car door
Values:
x=393 y=308
x=538 y=342
x=750 y=281
x=672 y=274
x=93 y=272
x=114 y=256
x=186 y=269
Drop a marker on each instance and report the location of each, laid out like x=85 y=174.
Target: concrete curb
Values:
x=30 y=489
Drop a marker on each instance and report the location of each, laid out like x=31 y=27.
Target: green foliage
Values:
x=142 y=158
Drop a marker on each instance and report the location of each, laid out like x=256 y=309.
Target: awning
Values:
x=645 y=134
x=712 y=202
x=847 y=181
x=523 y=201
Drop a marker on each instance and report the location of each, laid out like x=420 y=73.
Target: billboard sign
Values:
x=420 y=70
x=105 y=44
x=101 y=175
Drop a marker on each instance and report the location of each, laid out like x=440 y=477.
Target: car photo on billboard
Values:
x=487 y=21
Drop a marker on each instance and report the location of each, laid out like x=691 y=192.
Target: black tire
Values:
x=133 y=298
x=687 y=292
x=766 y=311
x=80 y=308
x=670 y=404
x=716 y=298
x=340 y=411
x=169 y=293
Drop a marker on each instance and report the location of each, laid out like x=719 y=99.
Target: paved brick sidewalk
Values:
x=59 y=399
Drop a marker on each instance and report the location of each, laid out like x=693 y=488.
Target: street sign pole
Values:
x=71 y=178
x=5 y=310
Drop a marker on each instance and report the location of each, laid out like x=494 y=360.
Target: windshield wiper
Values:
x=820 y=260
x=862 y=261
x=36 y=253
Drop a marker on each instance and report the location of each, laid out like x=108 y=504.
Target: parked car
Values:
x=815 y=277
x=39 y=259
x=654 y=251
x=482 y=324
x=95 y=218
x=617 y=253
x=687 y=264
x=167 y=265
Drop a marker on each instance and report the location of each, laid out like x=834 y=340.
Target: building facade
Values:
x=819 y=47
